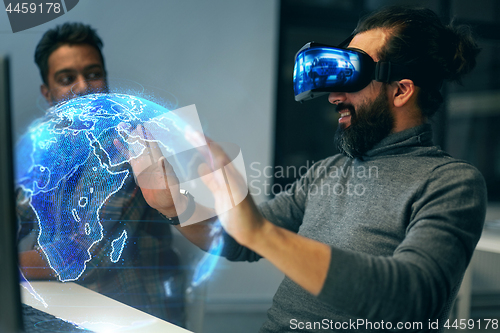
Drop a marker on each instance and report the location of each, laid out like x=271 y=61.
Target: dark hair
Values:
x=419 y=41
x=68 y=33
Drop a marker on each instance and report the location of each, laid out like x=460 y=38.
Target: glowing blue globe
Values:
x=68 y=165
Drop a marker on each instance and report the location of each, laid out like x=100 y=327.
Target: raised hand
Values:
x=153 y=173
x=234 y=207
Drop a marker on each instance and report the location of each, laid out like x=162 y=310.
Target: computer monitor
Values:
x=10 y=301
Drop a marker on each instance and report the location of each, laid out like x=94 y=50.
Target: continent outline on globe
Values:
x=69 y=167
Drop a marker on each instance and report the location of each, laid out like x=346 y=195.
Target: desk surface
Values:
x=489 y=242
x=92 y=310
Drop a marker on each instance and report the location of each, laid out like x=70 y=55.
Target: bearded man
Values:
x=386 y=258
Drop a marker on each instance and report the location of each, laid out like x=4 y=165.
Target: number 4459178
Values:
x=472 y=324
x=26 y=7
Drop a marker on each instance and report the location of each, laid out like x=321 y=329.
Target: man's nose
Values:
x=336 y=98
x=81 y=86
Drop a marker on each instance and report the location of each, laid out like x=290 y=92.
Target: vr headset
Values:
x=320 y=69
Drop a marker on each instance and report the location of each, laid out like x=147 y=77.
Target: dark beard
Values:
x=369 y=125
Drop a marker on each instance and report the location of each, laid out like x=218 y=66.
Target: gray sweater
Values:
x=402 y=223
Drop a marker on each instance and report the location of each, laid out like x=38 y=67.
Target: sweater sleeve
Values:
x=286 y=210
x=416 y=282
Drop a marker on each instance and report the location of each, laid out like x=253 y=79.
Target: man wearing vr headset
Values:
x=392 y=257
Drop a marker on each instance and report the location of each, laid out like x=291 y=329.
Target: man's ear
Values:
x=404 y=93
x=46 y=93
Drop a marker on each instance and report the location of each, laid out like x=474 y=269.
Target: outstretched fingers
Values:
x=149 y=141
x=168 y=172
x=122 y=149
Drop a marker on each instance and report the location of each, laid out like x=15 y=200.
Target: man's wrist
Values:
x=184 y=209
x=180 y=206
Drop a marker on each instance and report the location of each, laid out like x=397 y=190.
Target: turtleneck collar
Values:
x=403 y=142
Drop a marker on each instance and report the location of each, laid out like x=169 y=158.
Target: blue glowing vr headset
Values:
x=321 y=69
